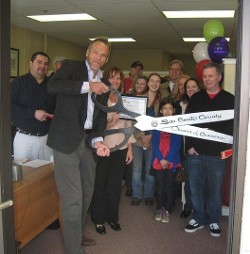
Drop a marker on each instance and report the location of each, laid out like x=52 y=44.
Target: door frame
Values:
x=241 y=122
x=7 y=233
x=241 y=126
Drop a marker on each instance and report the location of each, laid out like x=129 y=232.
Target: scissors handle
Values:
x=118 y=107
x=127 y=132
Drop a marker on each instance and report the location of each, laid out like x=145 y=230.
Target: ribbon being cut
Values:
x=178 y=124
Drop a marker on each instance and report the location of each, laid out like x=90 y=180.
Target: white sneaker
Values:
x=165 y=216
x=158 y=215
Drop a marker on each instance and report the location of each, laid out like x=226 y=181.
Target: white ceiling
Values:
x=140 y=19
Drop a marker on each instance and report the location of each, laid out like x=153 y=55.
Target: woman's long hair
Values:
x=134 y=92
x=176 y=92
x=111 y=72
x=198 y=83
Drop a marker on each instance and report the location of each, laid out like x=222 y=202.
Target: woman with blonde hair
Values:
x=179 y=94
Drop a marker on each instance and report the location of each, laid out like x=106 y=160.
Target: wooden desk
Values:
x=36 y=202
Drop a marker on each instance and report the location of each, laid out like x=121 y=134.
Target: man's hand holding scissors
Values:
x=101 y=149
x=98 y=87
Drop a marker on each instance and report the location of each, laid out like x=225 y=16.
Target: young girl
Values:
x=165 y=160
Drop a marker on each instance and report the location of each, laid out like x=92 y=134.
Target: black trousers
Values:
x=108 y=184
x=164 y=180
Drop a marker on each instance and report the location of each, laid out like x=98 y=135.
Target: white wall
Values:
x=229 y=74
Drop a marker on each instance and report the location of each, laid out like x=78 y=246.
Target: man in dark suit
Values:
x=74 y=118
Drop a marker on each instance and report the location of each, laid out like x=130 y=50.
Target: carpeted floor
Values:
x=140 y=234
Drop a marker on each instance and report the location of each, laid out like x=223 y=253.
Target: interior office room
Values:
x=158 y=41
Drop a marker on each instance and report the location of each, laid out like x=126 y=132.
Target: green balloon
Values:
x=213 y=28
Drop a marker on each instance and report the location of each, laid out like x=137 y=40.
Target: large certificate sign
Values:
x=137 y=104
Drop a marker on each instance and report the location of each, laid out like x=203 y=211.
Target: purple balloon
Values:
x=218 y=48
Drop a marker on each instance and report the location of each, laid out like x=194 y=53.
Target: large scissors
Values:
x=178 y=124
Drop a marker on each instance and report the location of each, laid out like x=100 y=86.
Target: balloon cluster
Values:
x=214 y=49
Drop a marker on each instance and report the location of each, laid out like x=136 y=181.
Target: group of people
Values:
x=54 y=116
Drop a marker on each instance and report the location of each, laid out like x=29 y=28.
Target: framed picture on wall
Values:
x=14 y=62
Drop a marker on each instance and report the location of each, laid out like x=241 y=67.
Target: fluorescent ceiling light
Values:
x=117 y=39
x=195 y=39
x=199 y=14
x=62 y=17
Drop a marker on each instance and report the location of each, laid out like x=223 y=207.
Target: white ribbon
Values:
x=180 y=124
x=145 y=123
x=196 y=132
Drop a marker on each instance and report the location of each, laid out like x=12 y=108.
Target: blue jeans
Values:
x=142 y=188
x=206 y=171
x=188 y=204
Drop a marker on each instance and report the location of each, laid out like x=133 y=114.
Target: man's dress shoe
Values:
x=115 y=226
x=100 y=229
x=87 y=241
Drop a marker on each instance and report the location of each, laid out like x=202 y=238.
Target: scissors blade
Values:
x=160 y=123
x=144 y=123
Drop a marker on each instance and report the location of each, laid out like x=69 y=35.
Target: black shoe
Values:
x=129 y=192
x=214 y=229
x=185 y=213
x=54 y=225
x=115 y=226
x=100 y=229
x=148 y=201
x=193 y=226
x=136 y=201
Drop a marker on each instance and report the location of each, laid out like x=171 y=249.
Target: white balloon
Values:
x=200 y=52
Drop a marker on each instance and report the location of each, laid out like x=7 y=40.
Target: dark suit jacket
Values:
x=67 y=126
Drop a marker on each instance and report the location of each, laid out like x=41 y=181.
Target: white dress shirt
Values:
x=85 y=89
